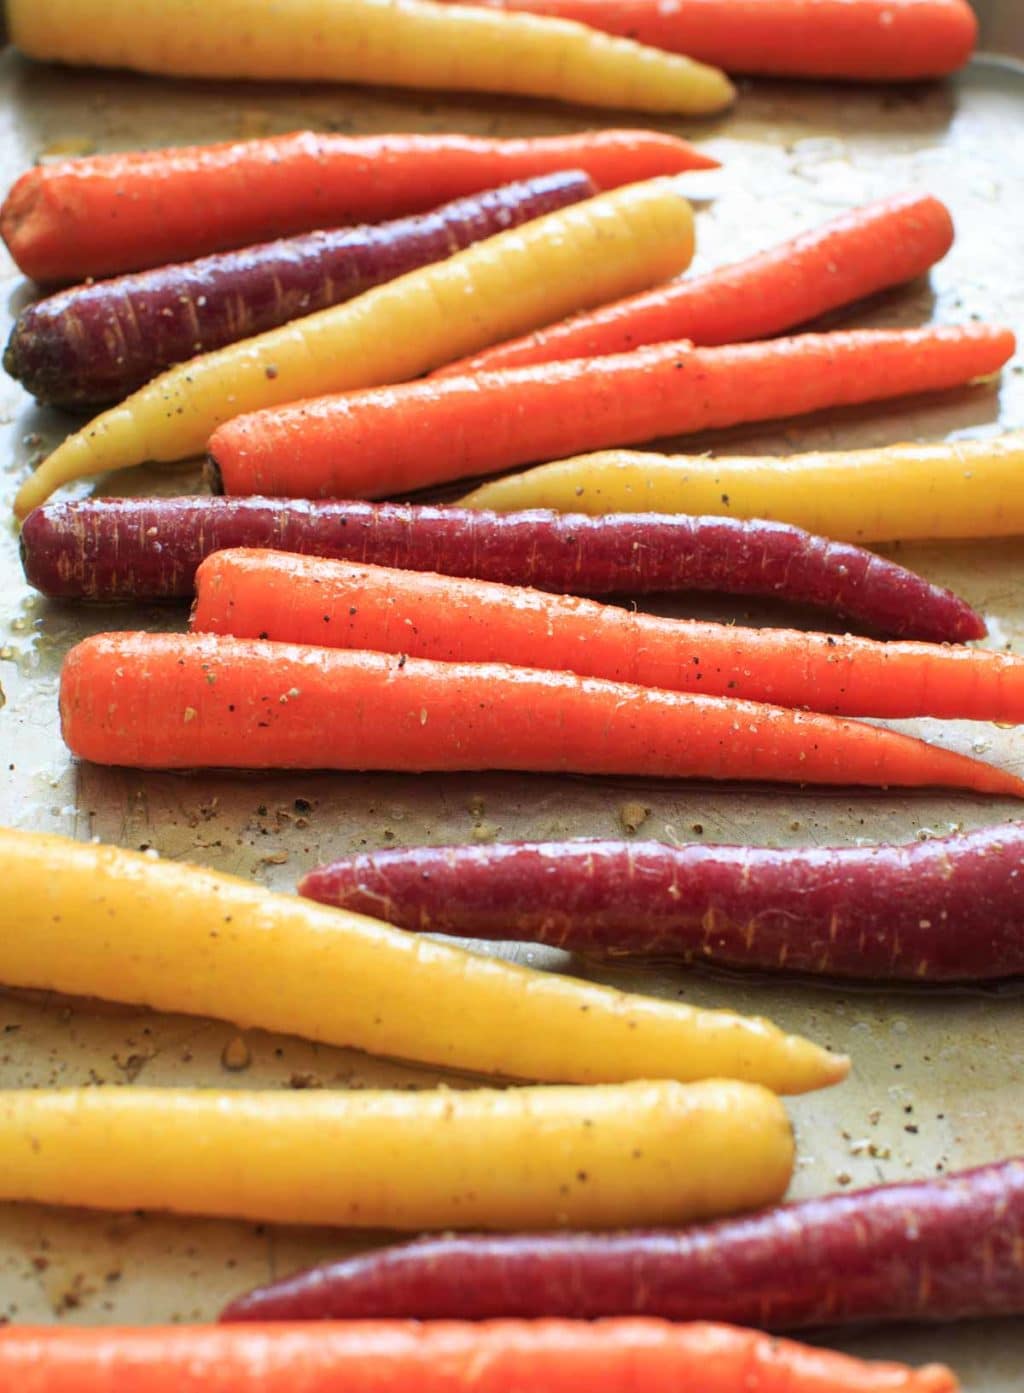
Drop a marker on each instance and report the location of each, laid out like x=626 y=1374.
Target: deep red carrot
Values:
x=346 y=604
x=619 y=1356
x=946 y=910
x=948 y=1248
x=392 y=439
x=97 y=343
x=106 y=214
x=149 y=548
x=164 y=701
x=858 y=254
x=867 y=40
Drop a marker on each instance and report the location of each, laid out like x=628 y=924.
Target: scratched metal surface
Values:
x=938 y=1079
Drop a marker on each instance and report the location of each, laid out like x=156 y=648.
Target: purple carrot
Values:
x=96 y=343
x=946 y=1249
x=937 y=911
x=116 y=549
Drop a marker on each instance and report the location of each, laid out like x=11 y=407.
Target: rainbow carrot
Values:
x=375 y=443
x=866 y=40
x=186 y=701
x=105 y=214
x=615 y=1356
x=856 y=255
x=341 y=604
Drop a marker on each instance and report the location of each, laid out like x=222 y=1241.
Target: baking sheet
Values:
x=938 y=1077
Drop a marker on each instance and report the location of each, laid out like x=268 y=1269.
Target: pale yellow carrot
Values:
x=97 y=921
x=968 y=488
x=403 y=43
x=604 y=1157
x=584 y=255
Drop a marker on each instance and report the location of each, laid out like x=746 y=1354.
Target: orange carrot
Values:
x=391 y=439
x=185 y=701
x=342 y=604
x=110 y=213
x=858 y=254
x=551 y=1356
x=868 y=40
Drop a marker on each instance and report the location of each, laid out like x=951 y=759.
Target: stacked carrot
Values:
x=347 y=634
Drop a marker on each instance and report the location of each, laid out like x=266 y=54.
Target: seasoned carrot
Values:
x=948 y=1247
x=579 y=256
x=402 y=43
x=856 y=255
x=95 y=343
x=375 y=443
x=150 y=548
x=104 y=214
x=214 y=945
x=634 y=1153
x=341 y=604
x=950 y=909
x=164 y=701
x=548 y=1356
x=866 y=40
x=968 y=488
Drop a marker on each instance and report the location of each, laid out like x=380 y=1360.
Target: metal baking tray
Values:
x=938 y=1076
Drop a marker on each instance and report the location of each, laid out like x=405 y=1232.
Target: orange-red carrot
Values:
x=868 y=40
x=105 y=214
x=166 y=701
x=391 y=439
x=549 y=1356
x=343 y=604
x=858 y=254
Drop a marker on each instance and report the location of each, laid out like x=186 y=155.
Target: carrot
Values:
x=434 y=1158
x=581 y=255
x=858 y=254
x=164 y=701
x=968 y=488
x=98 y=342
x=218 y=946
x=341 y=604
x=620 y=1356
x=866 y=40
x=950 y=1247
x=945 y=910
x=104 y=214
x=149 y=548
x=400 y=43
x=375 y=443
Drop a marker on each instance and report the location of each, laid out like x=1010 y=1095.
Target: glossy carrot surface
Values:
x=341 y=604
x=394 y=439
x=163 y=701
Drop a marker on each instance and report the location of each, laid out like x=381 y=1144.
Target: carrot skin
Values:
x=621 y=1356
x=97 y=343
x=149 y=549
x=859 y=254
x=106 y=214
x=392 y=439
x=869 y=41
x=165 y=701
x=341 y=604
x=945 y=910
x=943 y=1249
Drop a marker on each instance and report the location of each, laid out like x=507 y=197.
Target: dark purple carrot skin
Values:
x=946 y=1249
x=96 y=343
x=946 y=910
x=116 y=549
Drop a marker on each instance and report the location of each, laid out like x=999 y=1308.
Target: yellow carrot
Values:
x=970 y=488
x=98 y=921
x=605 y=1157
x=584 y=255
x=402 y=43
